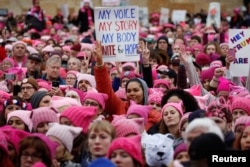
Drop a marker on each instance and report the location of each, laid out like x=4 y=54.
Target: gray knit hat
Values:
x=36 y=98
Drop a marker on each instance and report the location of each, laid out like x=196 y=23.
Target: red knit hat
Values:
x=80 y=116
x=101 y=98
x=202 y=59
x=131 y=145
x=241 y=103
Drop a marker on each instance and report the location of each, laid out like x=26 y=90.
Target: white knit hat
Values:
x=87 y=77
x=24 y=115
x=66 y=134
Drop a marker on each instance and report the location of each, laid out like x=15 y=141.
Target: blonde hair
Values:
x=73 y=93
x=102 y=125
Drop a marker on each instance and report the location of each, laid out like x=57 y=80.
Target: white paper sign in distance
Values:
x=143 y=16
x=214 y=16
x=118 y=30
x=178 y=16
x=124 y=2
x=110 y=2
x=240 y=40
x=164 y=16
x=65 y=10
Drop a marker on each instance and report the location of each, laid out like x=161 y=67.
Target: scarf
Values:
x=89 y=14
x=36 y=12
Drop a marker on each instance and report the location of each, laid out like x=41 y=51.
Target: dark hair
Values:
x=196 y=37
x=155 y=55
x=164 y=56
x=79 y=147
x=163 y=129
x=217 y=47
x=189 y=102
x=39 y=146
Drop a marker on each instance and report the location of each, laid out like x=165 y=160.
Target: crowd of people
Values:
x=61 y=105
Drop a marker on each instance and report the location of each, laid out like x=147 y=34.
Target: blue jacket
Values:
x=59 y=79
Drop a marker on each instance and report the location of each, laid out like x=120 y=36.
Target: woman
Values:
x=64 y=136
x=126 y=152
x=41 y=117
x=40 y=99
x=12 y=104
x=71 y=78
x=212 y=48
x=181 y=153
x=240 y=107
x=20 y=119
x=36 y=148
x=75 y=94
x=240 y=124
x=243 y=141
x=100 y=135
x=6 y=64
x=136 y=89
x=4 y=157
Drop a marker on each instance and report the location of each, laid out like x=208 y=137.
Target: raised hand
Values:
x=98 y=53
x=145 y=54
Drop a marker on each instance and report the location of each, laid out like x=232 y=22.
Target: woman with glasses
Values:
x=36 y=148
x=71 y=78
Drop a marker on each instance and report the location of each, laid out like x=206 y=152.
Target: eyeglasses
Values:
x=70 y=78
x=88 y=103
x=33 y=156
x=28 y=88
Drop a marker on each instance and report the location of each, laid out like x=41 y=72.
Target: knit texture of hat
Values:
x=180 y=148
x=129 y=75
x=100 y=98
x=31 y=81
x=80 y=116
x=66 y=134
x=87 y=77
x=43 y=114
x=140 y=110
x=241 y=103
x=131 y=145
x=243 y=120
x=101 y=162
x=128 y=127
x=163 y=82
x=36 y=98
x=177 y=106
x=223 y=85
x=24 y=115
x=202 y=59
x=14 y=136
x=3 y=143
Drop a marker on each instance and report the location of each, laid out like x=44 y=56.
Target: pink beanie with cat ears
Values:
x=177 y=106
x=100 y=98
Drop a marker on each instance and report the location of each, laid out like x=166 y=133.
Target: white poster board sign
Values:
x=118 y=30
x=178 y=16
x=65 y=10
x=240 y=40
x=164 y=16
x=110 y=2
x=213 y=16
x=143 y=16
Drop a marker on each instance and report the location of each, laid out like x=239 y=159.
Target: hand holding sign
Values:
x=98 y=53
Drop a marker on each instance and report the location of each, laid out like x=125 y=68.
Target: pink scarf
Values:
x=90 y=19
x=37 y=12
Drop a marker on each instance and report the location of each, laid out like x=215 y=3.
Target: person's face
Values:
x=27 y=90
x=124 y=82
x=194 y=133
x=121 y=158
x=16 y=123
x=224 y=94
x=33 y=65
x=196 y=51
x=237 y=113
x=221 y=123
x=163 y=45
x=39 y=47
x=153 y=62
x=99 y=142
x=93 y=103
x=179 y=41
x=42 y=127
x=155 y=106
x=5 y=65
x=141 y=45
x=83 y=85
x=206 y=84
x=238 y=130
x=183 y=156
x=73 y=65
x=176 y=49
x=134 y=92
x=183 y=129
x=245 y=139
x=12 y=152
x=19 y=50
x=65 y=121
x=70 y=79
x=194 y=42
x=53 y=70
x=113 y=74
x=210 y=49
x=171 y=117
x=60 y=150
x=11 y=108
x=29 y=157
x=45 y=102
x=87 y=51
x=224 y=50
x=162 y=87
x=86 y=4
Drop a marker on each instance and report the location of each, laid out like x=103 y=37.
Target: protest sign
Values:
x=118 y=30
x=110 y=2
x=143 y=16
x=213 y=16
x=178 y=16
x=239 y=39
x=164 y=16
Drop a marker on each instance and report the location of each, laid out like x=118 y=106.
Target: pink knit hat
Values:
x=155 y=97
x=216 y=63
x=195 y=90
x=243 y=120
x=131 y=145
x=87 y=46
x=24 y=115
x=52 y=146
x=140 y=110
x=101 y=98
x=202 y=101
x=177 y=106
x=66 y=48
x=125 y=127
x=3 y=143
x=224 y=44
x=62 y=103
x=48 y=48
x=202 y=59
x=129 y=75
x=184 y=118
x=79 y=93
x=223 y=85
x=80 y=116
x=241 y=103
x=14 y=136
x=66 y=134
x=73 y=73
x=43 y=114
x=162 y=81
x=81 y=54
x=180 y=148
x=239 y=91
x=44 y=84
x=197 y=46
x=131 y=66
x=39 y=164
x=121 y=93
x=207 y=74
x=87 y=77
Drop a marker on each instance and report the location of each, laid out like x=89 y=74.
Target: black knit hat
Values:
x=36 y=98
